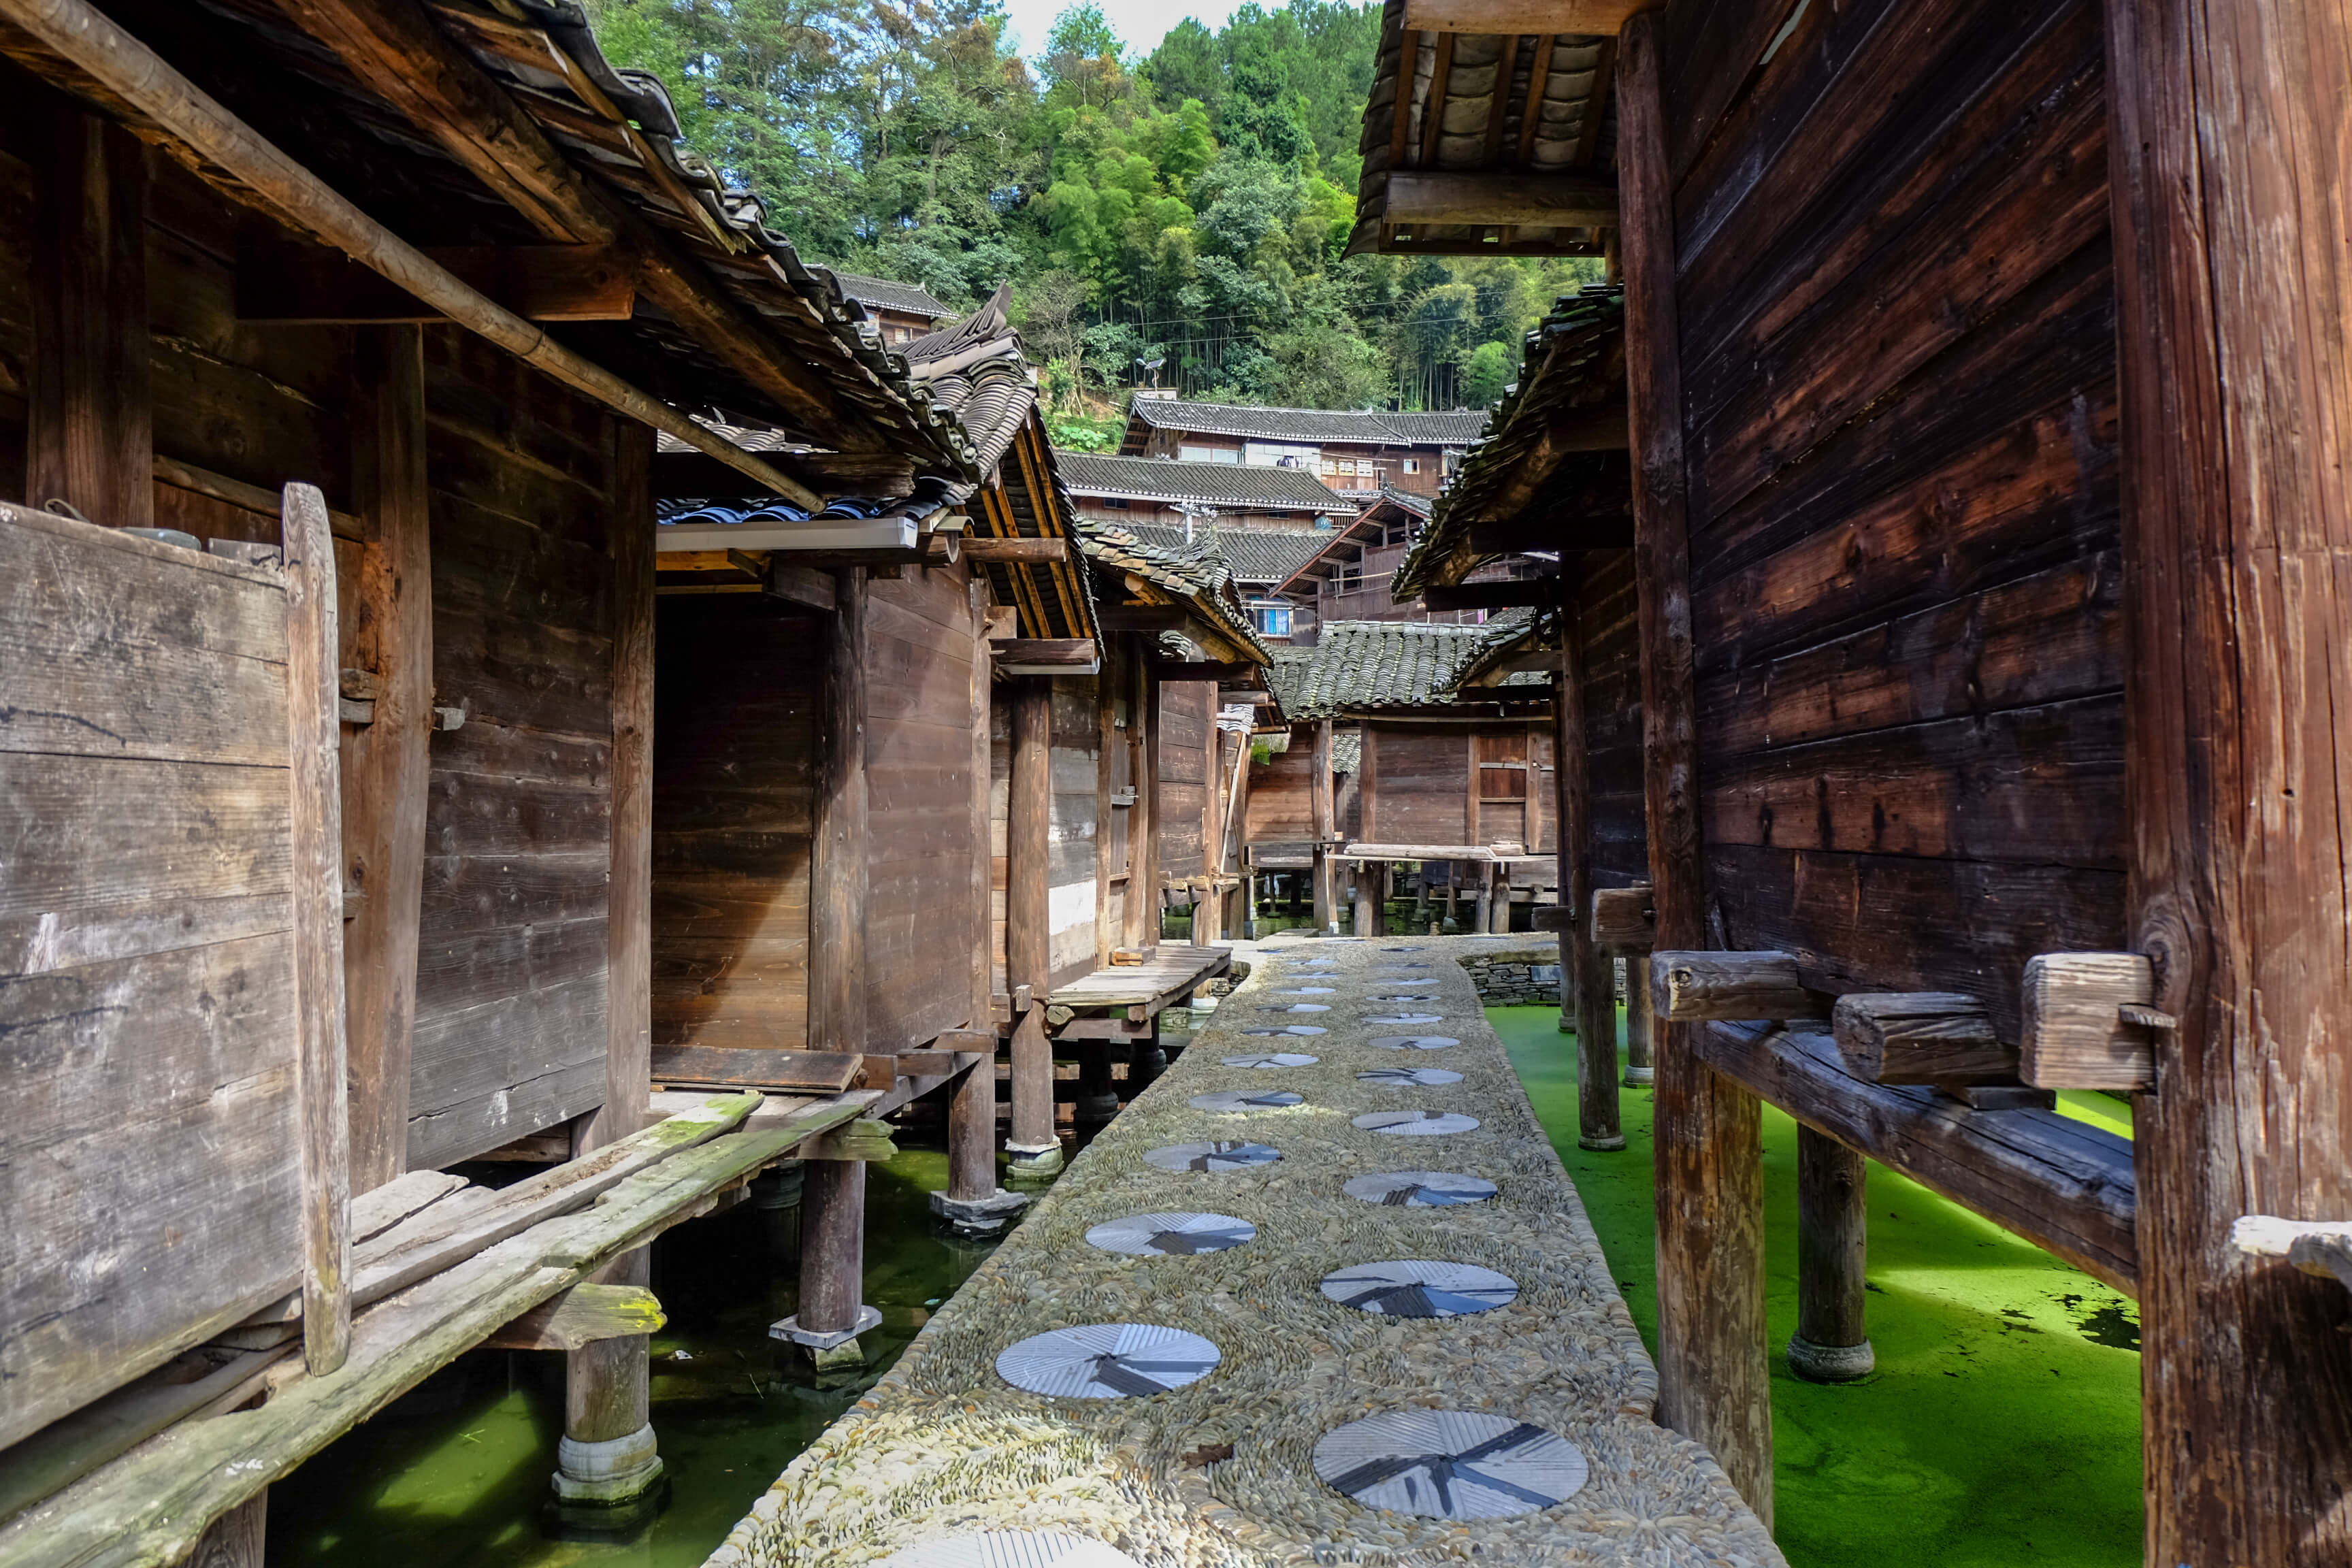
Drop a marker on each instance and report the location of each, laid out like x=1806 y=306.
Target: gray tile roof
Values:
x=1255 y=556
x=1357 y=666
x=1195 y=573
x=1370 y=427
x=886 y=294
x=1216 y=484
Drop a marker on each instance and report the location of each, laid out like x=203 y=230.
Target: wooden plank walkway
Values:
x=1223 y=1469
x=1171 y=972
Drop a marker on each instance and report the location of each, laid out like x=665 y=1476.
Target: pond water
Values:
x=455 y=1475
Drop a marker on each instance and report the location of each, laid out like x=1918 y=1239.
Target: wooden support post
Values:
x=89 y=425
x=833 y=1311
x=1713 y=1376
x=1365 y=919
x=1498 y=900
x=983 y=843
x=1484 y=897
x=1321 y=816
x=1027 y=849
x=1833 y=1249
x=1142 y=907
x=973 y=1203
x=608 y=1456
x=629 y=897
x=1640 y=1024
x=1588 y=983
x=837 y=949
x=235 y=1539
x=2230 y=209
x=386 y=763
x=315 y=803
x=1098 y=1098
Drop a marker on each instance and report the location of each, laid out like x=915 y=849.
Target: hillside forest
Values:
x=1188 y=205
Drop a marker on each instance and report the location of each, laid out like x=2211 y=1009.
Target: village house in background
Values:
x=1355 y=452
x=904 y=312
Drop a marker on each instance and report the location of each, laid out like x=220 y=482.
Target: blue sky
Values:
x=1141 y=23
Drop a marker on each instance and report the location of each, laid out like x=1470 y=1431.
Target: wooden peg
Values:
x=2076 y=1033
x=1624 y=919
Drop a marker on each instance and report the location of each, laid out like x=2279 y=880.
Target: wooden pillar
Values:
x=1365 y=919
x=89 y=436
x=971 y=1135
x=983 y=853
x=1713 y=1364
x=1027 y=961
x=1587 y=979
x=1638 y=1020
x=235 y=1539
x=836 y=951
x=608 y=1456
x=386 y=763
x=1322 y=817
x=1142 y=908
x=833 y=1259
x=1499 y=905
x=1484 y=895
x=629 y=907
x=2230 y=209
x=1830 y=1344
x=1097 y=1098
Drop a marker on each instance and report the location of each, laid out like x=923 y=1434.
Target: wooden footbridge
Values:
x=1321 y=1293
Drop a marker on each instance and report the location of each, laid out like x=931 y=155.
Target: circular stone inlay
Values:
x=1414 y=1042
x=1172 y=1235
x=1421 y=996
x=1297 y=1007
x=1416 y=1123
x=1316 y=963
x=1418 y=1288
x=1246 y=1099
x=1286 y=1029
x=1407 y=1078
x=1450 y=1464
x=1010 y=1549
x=1420 y=948
x=1278 y=1059
x=1407 y=1017
x=1107 y=1361
x=1224 y=1155
x=1420 y=1189
x=1308 y=991
x=1406 y=982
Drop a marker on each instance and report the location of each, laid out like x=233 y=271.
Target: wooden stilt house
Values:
x=340 y=337
x=1977 y=509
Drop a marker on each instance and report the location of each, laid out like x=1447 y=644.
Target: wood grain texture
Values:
x=90 y=421
x=2229 y=205
x=1713 y=1379
x=1027 y=953
x=838 y=859
x=386 y=763
x=1587 y=974
x=314 y=794
x=628 y=920
x=1920 y=1037
x=1832 y=1242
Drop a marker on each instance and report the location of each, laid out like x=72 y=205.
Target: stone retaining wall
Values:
x=1516 y=977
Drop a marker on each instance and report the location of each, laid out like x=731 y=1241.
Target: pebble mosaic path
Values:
x=1418 y=1357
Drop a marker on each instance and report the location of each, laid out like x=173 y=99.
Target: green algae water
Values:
x=2001 y=1426
x=455 y=1475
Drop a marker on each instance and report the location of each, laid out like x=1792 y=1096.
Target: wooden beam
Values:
x=1533 y=201
x=79 y=34
x=1144 y=617
x=1531 y=106
x=314 y=793
x=1432 y=113
x=1714 y=1376
x=1179 y=669
x=2086 y=1021
x=693 y=475
x=583 y=1315
x=313 y=285
x=256 y=499
x=1497 y=17
x=1051 y=656
x=1701 y=987
x=743 y=1067
x=803 y=585
x=1923 y=1036
x=1010 y=551
x=2063 y=1184
x=89 y=426
x=1503 y=596
x=386 y=763
x=1625 y=920
x=836 y=930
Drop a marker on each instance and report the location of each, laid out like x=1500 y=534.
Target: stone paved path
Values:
x=1220 y=1472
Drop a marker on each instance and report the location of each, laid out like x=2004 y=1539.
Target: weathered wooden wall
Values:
x=1612 y=719
x=734 y=743
x=1416 y=783
x=1188 y=782
x=919 y=914
x=1897 y=352
x=1279 y=809
x=510 y=985
x=1077 y=822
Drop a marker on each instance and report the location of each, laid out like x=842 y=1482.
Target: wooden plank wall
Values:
x=510 y=985
x=919 y=916
x=1896 y=308
x=1416 y=783
x=734 y=742
x=1612 y=720
x=1071 y=876
x=1279 y=808
x=1188 y=785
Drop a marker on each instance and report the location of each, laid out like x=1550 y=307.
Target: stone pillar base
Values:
x=1609 y=1145
x=608 y=1473
x=1637 y=1076
x=980 y=1216
x=1024 y=1161
x=1095 y=1107
x=1831 y=1363
x=821 y=1339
